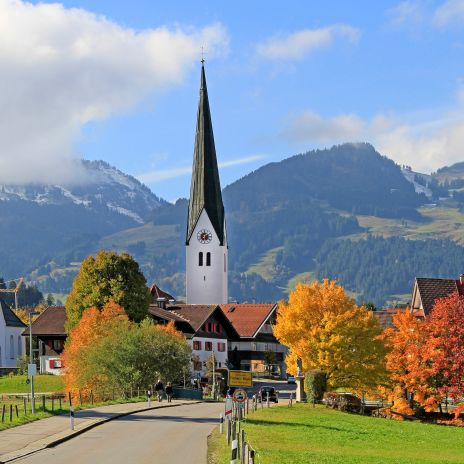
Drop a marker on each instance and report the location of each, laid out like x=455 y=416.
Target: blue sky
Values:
x=283 y=78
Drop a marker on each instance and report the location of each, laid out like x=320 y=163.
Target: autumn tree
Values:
x=323 y=326
x=107 y=350
x=108 y=276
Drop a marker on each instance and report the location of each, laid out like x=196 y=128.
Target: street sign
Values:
x=239 y=396
x=28 y=381
x=240 y=379
x=31 y=369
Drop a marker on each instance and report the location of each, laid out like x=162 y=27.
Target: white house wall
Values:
x=8 y=357
x=203 y=355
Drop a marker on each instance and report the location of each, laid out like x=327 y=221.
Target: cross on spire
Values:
x=202 y=55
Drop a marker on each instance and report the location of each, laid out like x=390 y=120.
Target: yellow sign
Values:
x=240 y=379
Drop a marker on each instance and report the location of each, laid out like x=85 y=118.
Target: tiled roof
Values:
x=247 y=318
x=156 y=293
x=385 y=317
x=50 y=322
x=195 y=315
x=11 y=319
x=433 y=289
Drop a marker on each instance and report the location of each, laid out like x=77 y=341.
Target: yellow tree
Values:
x=328 y=331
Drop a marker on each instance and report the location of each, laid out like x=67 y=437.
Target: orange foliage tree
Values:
x=326 y=329
x=93 y=325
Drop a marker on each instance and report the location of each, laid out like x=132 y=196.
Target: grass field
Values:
x=307 y=435
x=42 y=383
x=265 y=267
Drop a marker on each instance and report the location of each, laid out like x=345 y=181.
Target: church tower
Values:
x=206 y=241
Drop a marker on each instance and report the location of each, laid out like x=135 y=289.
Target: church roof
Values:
x=11 y=319
x=205 y=190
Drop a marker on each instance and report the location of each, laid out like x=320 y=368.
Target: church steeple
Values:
x=205 y=190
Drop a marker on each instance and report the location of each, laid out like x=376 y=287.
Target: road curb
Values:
x=62 y=437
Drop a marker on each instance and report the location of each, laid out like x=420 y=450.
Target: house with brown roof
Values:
x=11 y=342
x=49 y=329
x=427 y=290
x=256 y=348
x=205 y=327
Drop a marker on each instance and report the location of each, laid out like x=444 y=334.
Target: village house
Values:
x=11 y=342
x=427 y=290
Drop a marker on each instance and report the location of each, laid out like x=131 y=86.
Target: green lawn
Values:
x=307 y=435
x=43 y=383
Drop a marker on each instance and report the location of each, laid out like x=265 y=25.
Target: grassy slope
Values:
x=265 y=266
x=43 y=383
x=305 y=435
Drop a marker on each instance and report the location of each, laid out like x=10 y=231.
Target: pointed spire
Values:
x=205 y=190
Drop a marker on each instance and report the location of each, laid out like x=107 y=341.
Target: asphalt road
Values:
x=172 y=436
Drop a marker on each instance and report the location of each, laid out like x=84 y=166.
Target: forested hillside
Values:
x=342 y=213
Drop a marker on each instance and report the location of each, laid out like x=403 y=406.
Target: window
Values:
x=221 y=347
x=11 y=347
x=20 y=345
x=200 y=258
x=208 y=346
x=208 y=259
x=196 y=345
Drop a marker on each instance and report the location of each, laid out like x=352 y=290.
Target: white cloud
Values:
x=62 y=68
x=425 y=144
x=452 y=11
x=409 y=12
x=158 y=175
x=300 y=44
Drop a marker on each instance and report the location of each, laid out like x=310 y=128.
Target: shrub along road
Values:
x=175 y=435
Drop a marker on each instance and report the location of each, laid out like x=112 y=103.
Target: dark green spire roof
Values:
x=205 y=191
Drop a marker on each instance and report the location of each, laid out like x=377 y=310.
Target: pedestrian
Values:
x=159 y=388
x=169 y=392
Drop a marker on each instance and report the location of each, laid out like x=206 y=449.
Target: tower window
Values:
x=208 y=259
x=200 y=258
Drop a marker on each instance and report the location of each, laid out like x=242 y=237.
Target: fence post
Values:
x=228 y=430
x=221 y=421
x=242 y=447
x=3 y=414
x=234 y=430
x=71 y=416
x=11 y=412
x=233 y=459
x=60 y=402
x=17 y=413
x=252 y=456
x=43 y=403
x=267 y=399
x=24 y=403
x=53 y=404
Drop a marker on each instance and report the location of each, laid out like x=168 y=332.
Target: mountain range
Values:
x=347 y=213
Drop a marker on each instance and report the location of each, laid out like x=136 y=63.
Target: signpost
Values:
x=240 y=379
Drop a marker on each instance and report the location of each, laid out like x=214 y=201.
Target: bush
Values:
x=342 y=401
x=315 y=385
x=22 y=363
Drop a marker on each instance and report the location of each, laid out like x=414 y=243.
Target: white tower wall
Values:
x=206 y=284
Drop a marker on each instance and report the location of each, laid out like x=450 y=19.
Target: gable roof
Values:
x=205 y=190
x=51 y=322
x=247 y=319
x=431 y=289
x=156 y=293
x=11 y=319
x=192 y=316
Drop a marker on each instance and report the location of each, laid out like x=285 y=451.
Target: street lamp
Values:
x=30 y=369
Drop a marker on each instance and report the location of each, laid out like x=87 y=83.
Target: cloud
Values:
x=420 y=141
x=299 y=45
x=63 y=68
x=409 y=12
x=451 y=11
x=158 y=175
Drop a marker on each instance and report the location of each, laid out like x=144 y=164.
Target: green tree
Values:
x=106 y=276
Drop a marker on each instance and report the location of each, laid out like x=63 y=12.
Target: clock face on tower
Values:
x=204 y=236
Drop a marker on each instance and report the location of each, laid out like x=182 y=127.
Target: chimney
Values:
x=461 y=279
x=161 y=302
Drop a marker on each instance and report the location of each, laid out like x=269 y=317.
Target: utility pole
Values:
x=32 y=367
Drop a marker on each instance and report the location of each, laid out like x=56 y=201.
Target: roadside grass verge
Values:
x=307 y=435
x=42 y=383
x=51 y=409
x=218 y=451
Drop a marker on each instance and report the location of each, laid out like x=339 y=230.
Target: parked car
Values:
x=263 y=392
x=291 y=379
